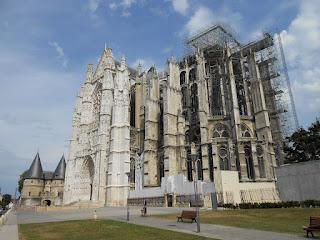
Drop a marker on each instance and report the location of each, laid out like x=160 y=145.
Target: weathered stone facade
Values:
x=43 y=188
x=214 y=97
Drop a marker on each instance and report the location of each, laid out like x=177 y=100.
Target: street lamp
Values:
x=195 y=160
x=128 y=196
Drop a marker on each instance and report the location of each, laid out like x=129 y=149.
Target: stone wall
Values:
x=299 y=181
x=231 y=190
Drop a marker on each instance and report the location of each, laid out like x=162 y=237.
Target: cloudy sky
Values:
x=45 y=46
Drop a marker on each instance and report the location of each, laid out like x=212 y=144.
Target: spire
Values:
x=60 y=171
x=139 y=68
x=106 y=61
x=122 y=63
x=89 y=73
x=35 y=170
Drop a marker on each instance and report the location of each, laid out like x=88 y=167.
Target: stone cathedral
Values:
x=134 y=126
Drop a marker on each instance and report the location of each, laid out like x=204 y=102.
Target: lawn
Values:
x=96 y=230
x=286 y=220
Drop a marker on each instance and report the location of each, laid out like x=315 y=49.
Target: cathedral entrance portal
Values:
x=88 y=170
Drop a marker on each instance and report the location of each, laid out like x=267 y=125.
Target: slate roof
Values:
x=60 y=171
x=35 y=171
x=47 y=175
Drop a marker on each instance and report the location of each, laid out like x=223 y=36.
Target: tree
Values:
x=21 y=180
x=6 y=199
x=303 y=145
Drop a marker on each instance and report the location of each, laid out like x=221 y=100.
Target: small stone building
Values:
x=43 y=187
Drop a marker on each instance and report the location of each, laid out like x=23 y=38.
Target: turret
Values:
x=59 y=173
x=35 y=171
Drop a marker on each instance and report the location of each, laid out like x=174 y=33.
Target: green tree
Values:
x=5 y=200
x=21 y=179
x=303 y=145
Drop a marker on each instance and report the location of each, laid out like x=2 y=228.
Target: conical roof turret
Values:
x=35 y=171
x=60 y=171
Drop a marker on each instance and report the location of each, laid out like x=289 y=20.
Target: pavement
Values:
x=10 y=231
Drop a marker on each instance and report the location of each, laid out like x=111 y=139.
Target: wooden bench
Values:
x=314 y=225
x=187 y=215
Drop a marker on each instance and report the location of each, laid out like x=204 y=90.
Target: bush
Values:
x=264 y=205
x=290 y=204
x=229 y=205
x=310 y=203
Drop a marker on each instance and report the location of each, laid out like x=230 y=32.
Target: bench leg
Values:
x=311 y=234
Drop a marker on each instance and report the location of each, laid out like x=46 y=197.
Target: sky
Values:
x=45 y=47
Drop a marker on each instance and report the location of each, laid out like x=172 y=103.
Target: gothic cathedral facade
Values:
x=217 y=97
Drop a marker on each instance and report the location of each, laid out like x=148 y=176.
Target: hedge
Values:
x=289 y=204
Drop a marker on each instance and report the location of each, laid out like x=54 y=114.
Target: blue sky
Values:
x=45 y=46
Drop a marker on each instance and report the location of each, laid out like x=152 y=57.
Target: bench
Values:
x=187 y=215
x=314 y=225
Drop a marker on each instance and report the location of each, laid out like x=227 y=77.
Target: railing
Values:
x=151 y=201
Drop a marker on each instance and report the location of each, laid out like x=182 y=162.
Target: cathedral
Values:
x=132 y=130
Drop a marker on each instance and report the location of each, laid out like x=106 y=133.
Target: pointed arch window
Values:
x=132 y=170
x=161 y=168
x=189 y=164
x=249 y=161
x=245 y=131
x=262 y=170
x=224 y=158
x=192 y=75
x=182 y=78
x=220 y=130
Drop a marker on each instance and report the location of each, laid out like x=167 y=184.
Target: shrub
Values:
x=310 y=203
x=264 y=205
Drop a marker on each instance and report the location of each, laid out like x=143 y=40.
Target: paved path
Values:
x=213 y=231
x=9 y=231
x=207 y=230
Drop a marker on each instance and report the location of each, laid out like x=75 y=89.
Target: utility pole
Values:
x=195 y=160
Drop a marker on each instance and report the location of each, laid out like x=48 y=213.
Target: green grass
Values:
x=286 y=220
x=97 y=230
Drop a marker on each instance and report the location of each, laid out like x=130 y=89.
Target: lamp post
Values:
x=195 y=160
x=128 y=196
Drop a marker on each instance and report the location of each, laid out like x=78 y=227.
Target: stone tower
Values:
x=99 y=156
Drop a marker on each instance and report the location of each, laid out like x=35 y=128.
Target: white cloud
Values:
x=113 y=6
x=60 y=53
x=93 y=5
x=204 y=17
x=302 y=48
x=127 y=3
x=38 y=111
x=123 y=6
x=126 y=13
x=180 y=6
x=201 y=18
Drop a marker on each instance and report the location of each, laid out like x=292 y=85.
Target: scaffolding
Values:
x=269 y=56
x=276 y=82
x=216 y=35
